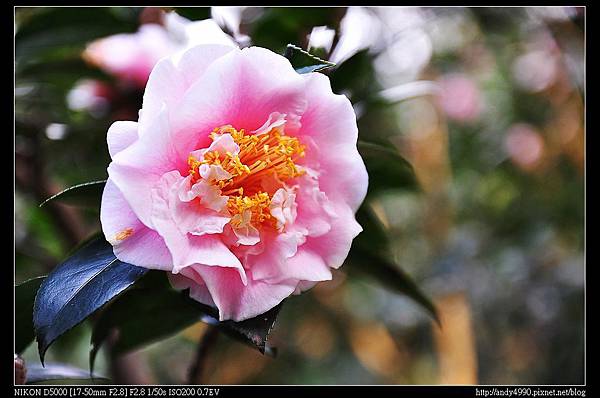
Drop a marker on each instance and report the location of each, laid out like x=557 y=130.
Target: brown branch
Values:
x=30 y=176
x=204 y=345
x=129 y=368
x=337 y=21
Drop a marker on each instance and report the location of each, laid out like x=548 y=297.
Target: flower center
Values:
x=262 y=165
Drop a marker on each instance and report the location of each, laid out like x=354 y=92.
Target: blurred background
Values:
x=487 y=104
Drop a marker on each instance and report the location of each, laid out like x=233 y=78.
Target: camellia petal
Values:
x=342 y=171
x=237 y=301
x=188 y=278
x=132 y=241
x=138 y=168
x=121 y=135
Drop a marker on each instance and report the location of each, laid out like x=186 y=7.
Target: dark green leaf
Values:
x=305 y=62
x=387 y=169
x=357 y=76
x=274 y=27
x=77 y=287
x=374 y=237
x=88 y=193
x=194 y=13
x=254 y=331
x=389 y=275
x=159 y=312
x=24 y=298
x=71 y=28
x=57 y=371
x=61 y=72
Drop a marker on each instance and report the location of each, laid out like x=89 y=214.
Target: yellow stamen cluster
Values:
x=266 y=155
x=258 y=204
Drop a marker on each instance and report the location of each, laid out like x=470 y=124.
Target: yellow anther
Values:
x=248 y=168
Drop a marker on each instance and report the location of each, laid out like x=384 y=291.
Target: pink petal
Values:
x=193 y=218
x=223 y=144
x=138 y=168
x=213 y=172
x=197 y=220
x=243 y=92
x=276 y=120
x=283 y=207
x=208 y=194
x=185 y=248
x=189 y=279
x=121 y=135
x=164 y=89
x=207 y=32
x=168 y=83
x=246 y=234
x=272 y=261
x=304 y=286
x=330 y=121
x=316 y=211
x=132 y=241
x=305 y=265
x=194 y=61
x=238 y=302
x=335 y=245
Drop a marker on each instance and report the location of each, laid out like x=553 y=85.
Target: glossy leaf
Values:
x=387 y=169
x=57 y=371
x=24 y=298
x=305 y=62
x=88 y=193
x=389 y=275
x=77 y=287
x=254 y=331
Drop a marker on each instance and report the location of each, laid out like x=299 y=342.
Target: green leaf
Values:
x=305 y=62
x=356 y=76
x=161 y=311
x=24 y=298
x=374 y=237
x=368 y=257
x=387 y=169
x=58 y=371
x=49 y=30
x=253 y=332
x=61 y=72
x=193 y=13
x=275 y=27
x=76 y=288
x=389 y=275
x=87 y=194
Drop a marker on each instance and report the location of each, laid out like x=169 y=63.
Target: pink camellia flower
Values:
x=241 y=178
x=131 y=56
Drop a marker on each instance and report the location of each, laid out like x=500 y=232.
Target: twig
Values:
x=206 y=342
x=130 y=368
x=30 y=176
